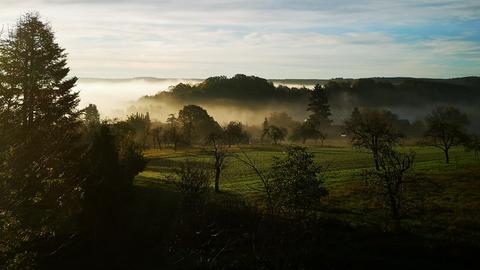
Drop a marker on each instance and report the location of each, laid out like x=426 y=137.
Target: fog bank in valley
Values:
x=113 y=97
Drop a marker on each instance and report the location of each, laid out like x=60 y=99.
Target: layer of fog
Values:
x=119 y=98
x=113 y=97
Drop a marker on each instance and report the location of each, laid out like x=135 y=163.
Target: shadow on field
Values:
x=157 y=232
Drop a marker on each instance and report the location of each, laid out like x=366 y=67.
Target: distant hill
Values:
x=411 y=98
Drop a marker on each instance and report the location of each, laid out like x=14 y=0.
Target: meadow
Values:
x=450 y=206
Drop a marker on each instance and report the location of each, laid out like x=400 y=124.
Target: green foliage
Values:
x=319 y=108
x=111 y=161
x=140 y=123
x=234 y=133
x=297 y=182
x=373 y=129
x=172 y=133
x=306 y=131
x=196 y=124
x=91 y=115
x=39 y=141
x=194 y=184
x=273 y=133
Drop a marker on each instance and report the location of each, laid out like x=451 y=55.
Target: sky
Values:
x=269 y=38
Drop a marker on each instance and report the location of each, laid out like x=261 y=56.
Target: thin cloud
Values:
x=275 y=39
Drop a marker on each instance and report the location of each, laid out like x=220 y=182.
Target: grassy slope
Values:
x=452 y=210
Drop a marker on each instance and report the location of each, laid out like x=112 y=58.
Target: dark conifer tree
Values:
x=39 y=150
x=319 y=107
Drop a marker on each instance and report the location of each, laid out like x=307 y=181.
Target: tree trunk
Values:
x=375 y=158
x=217 y=178
x=447 y=158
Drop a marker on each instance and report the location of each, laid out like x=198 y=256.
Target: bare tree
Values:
x=220 y=151
x=264 y=179
x=389 y=179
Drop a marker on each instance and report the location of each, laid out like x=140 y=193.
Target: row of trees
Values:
x=376 y=131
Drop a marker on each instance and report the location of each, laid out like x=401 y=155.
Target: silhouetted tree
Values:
x=141 y=125
x=39 y=140
x=319 y=108
x=91 y=115
x=373 y=129
x=233 y=133
x=220 y=151
x=281 y=119
x=389 y=179
x=445 y=129
x=306 y=131
x=265 y=128
x=196 y=124
x=172 y=133
x=277 y=134
x=111 y=161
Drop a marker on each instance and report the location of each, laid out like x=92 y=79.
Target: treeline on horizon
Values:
x=410 y=98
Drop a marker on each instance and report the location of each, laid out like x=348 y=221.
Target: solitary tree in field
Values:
x=445 y=129
x=196 y=124
x=374 y=130
x=297 y=182
x=39 y=147
x=274 y=133
x=220 y=151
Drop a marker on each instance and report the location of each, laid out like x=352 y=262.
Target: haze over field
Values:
x=113 y=96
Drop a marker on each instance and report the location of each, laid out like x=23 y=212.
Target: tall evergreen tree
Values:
x=319 y=107
x=39 y=149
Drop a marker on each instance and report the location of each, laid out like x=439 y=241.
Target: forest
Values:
x=234 y=173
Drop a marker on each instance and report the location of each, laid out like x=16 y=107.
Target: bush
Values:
x=194 y=185
x=297 y=182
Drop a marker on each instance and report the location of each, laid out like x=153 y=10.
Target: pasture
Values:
x=450 y=194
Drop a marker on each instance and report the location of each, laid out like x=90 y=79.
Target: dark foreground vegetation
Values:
x=78 y=192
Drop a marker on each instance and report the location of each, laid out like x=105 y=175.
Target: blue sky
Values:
x=268 y=38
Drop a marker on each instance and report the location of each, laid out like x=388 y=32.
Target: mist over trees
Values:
x=241 y=97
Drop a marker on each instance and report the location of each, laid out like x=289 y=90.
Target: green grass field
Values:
x=452 y=203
